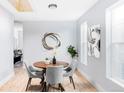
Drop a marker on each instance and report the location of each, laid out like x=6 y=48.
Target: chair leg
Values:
x=29 y=82
x=48 y=87
x=44 y=89
x=61 y=87
x=72 y=81
x=42 y=80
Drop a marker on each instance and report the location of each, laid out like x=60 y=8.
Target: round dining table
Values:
x=43 y=64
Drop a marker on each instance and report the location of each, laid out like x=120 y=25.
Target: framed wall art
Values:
x=94 y=39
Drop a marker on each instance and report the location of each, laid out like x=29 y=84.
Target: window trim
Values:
x=83 y=54
x=108 y=42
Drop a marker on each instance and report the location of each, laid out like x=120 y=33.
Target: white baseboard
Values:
x=97 y=86
x=2 y=82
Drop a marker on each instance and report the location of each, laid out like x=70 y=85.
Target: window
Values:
x=83 y=43
x=115 y=43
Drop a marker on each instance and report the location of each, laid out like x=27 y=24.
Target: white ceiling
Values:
x=67 y=10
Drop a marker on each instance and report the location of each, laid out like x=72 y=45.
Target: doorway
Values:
x=18 y=44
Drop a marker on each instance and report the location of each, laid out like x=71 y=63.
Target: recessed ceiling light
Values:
x=52 y=6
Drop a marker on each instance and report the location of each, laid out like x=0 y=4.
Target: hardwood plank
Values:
x=19 y=81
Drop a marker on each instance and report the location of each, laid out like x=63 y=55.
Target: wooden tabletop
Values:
x=42 y=64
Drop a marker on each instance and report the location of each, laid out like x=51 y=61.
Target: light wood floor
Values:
x=19 y=81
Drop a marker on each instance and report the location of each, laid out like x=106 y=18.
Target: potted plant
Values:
x=72 y=51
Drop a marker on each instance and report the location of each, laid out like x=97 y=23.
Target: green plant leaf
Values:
x=72 y=51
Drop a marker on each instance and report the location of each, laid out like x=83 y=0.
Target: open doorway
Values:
x=18 y=44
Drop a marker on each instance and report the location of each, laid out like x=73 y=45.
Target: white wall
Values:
x=96 y=68
x=6 y=45
x=33 y=31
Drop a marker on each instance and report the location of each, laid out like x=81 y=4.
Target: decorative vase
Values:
x=54 y=60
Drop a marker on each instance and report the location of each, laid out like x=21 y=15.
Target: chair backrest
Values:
x=73 y=66
x=28 y=70
x=54 y=75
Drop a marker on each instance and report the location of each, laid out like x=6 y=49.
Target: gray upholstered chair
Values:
x=69 y=72
x=54 y=75
x=32 y=73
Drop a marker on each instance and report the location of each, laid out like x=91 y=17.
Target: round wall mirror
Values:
x=51 y=41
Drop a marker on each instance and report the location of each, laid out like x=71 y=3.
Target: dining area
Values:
x=50 y=67
x=52 y=71
x=51 y=75
x=36 y=79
